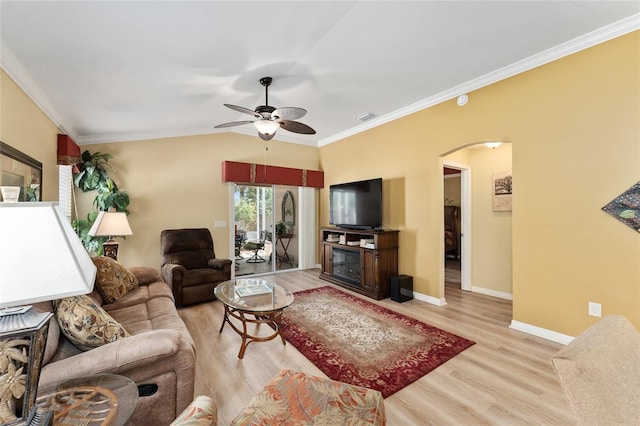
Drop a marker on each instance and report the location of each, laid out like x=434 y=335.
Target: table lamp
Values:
x=111 y=224
x=41 y=259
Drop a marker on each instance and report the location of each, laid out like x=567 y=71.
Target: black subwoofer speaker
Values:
x=401 y=288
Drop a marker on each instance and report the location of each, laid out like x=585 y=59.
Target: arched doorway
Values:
x=485 y=234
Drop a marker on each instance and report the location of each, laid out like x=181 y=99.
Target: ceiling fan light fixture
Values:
x=268 y=119
x=266 y=127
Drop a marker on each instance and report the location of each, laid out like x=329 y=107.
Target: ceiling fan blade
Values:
x=296 y=127
x=232 y=124
x=288 y=113
x=243 y=110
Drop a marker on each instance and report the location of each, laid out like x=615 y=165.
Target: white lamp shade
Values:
x=110 y=224
x=41 y=257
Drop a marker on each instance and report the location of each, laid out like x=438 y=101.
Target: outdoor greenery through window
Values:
x=254 y=208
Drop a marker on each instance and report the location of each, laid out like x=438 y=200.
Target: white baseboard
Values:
x=429 y=299
x=554 y=336
x=494 y=293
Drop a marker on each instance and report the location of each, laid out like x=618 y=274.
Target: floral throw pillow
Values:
x=86 y=324
x=113 y=280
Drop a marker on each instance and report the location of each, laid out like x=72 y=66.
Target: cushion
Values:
x=113 y=280
x=599 y=372
x=203 y=411
x=294 y=398
x=86 y=324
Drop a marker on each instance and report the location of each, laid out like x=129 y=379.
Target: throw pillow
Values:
x=86 y=324
x=113 y=280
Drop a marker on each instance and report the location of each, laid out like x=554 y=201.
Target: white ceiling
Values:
x=108 y=71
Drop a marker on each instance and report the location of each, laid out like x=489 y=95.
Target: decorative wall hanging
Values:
x=502 y=191
x=21 y=171
x=288 y=209
x=626 y=207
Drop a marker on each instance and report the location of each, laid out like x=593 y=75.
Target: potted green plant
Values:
x=281 y=228
x=92 y=175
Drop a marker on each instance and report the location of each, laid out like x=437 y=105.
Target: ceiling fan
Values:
x=269 y=119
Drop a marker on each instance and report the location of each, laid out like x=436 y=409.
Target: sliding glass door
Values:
x=265 y=229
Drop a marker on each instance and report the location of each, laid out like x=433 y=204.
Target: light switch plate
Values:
x=220 y=224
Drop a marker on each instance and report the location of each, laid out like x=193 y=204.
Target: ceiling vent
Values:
x=364 y=116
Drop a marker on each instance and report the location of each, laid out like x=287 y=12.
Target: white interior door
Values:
x=465 y=223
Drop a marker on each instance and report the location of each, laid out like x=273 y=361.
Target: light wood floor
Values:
x=504 y=379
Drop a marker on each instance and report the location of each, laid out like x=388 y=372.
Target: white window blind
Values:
x=65 y=188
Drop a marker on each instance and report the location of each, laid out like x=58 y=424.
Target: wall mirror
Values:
x=288 y=209
x=20 y=175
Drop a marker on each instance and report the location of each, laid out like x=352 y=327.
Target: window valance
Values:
x=68 y=151
x=257 y=174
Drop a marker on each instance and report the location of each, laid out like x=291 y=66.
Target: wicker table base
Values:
x=85 y=405
x=98 y=400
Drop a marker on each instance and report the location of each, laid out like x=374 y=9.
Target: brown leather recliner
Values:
x=189 y=265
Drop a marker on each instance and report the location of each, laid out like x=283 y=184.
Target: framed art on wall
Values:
x=20 y=175
x=502 y=191
x=626 y=207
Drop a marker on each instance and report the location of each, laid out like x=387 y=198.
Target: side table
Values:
x=284 y=240
x=101 y=399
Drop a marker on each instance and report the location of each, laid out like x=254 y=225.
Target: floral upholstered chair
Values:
x=294 y=398
x=203 y=411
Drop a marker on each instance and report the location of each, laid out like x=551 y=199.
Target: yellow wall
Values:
x=26 y=128
x=176 y=183
x=576 y=145
x=491 y=231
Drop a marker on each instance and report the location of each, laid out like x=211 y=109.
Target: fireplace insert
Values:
x=346 y=265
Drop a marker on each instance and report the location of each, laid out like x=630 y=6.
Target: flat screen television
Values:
x=356 y=205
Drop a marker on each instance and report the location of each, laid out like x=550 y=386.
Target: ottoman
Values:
x=293 y=397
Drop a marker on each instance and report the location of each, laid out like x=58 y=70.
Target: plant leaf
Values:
x=628 y=214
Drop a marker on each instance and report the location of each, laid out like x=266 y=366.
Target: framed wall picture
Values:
x=20 y=175
x=502 y=192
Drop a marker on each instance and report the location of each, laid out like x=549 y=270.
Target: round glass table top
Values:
x=253 y=295
x=61 y=396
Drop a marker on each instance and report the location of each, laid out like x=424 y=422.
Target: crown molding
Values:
x=601 y=35
x=21 y=76
x=10 y=64
x=140 y=136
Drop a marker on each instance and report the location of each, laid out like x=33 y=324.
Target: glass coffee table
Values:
x=253 y=301
x=102 y=399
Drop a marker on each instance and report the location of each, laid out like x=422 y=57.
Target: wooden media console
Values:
x=366 y=270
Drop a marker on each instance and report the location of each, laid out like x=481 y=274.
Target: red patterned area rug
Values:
x=358 y=342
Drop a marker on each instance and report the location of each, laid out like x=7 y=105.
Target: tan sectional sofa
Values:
x=159 y=350
x=599 y=372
